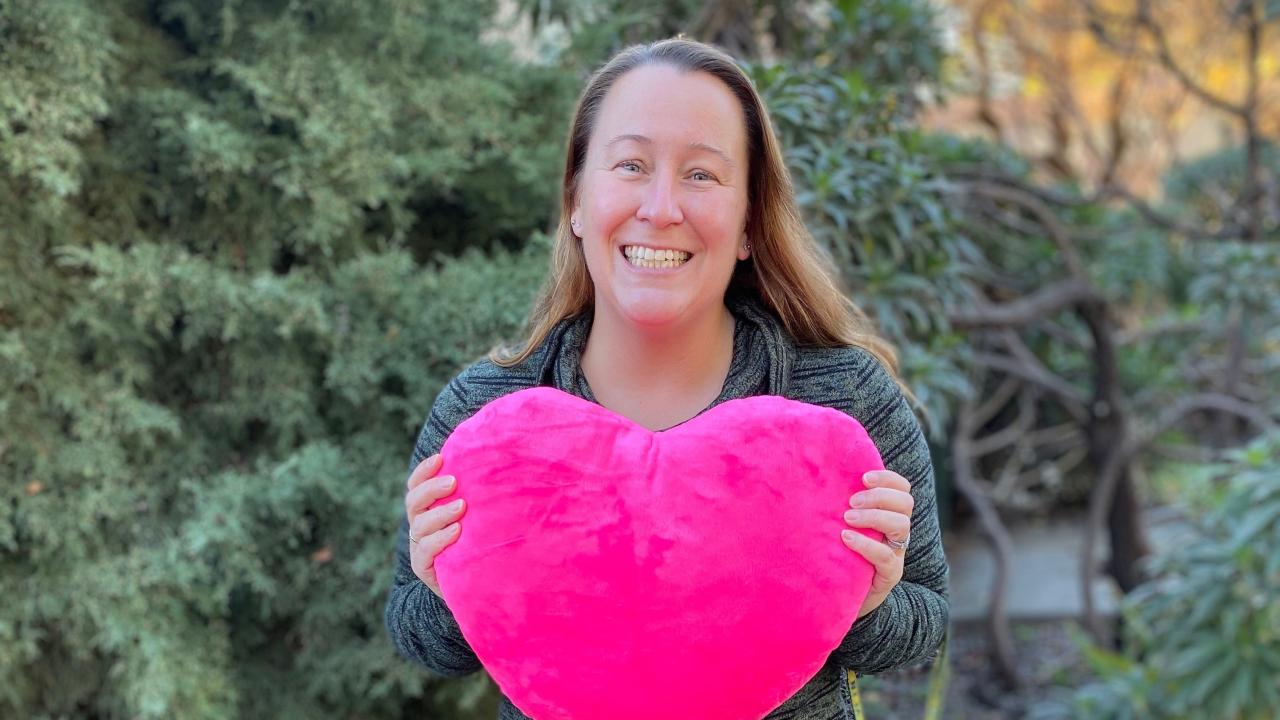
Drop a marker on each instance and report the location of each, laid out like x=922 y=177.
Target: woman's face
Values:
x=666 y=170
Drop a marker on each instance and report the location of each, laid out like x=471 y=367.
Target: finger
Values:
x=895 y=525
x=437 y=517
x=885 y=499
x=431 y=490
x=429 y=547
x=875 y=552
x=425 y=469
x=886 y=478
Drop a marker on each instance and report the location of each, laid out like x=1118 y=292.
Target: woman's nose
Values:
x=660 y=205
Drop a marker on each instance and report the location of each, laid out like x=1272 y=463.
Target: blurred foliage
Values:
x=244 y=244
x=1068 y=82
x=876 y=203
x=1205 y=189
x=1205 y=631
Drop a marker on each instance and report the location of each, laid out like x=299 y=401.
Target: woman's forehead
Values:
x=661 y=105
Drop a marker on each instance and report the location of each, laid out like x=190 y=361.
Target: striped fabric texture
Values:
x=906 y=629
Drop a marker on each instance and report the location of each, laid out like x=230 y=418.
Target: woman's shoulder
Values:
x=846 y=365
x=473 y=387
x=854 y=381
x=484 y=381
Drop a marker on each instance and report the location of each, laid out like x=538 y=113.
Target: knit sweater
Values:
x=906 y=629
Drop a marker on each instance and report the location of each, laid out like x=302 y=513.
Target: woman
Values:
x=682 y=277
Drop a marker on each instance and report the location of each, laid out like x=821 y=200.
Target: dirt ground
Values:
x=1052 y=667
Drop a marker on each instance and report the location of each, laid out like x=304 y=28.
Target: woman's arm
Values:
x=421 y=626
x=908 y=627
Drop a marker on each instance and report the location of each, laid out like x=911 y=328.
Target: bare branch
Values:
x=1072 y=400
x=1104 y=193
x=1138 y=334
x=1199 y=402
x=996 y=401
x=1101 y=497
x=1029 y=309
x=1002 y=647
x=1155 y=217
x=1163 y=57
x=1009 y=434
x=1018 y=194
x=1048 y=439
x=1059 y=332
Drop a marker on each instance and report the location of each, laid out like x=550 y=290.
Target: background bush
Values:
x=244 y=244
x=1205 y=631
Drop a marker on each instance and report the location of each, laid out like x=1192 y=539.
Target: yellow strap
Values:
x=939 y=676
x=855 y=696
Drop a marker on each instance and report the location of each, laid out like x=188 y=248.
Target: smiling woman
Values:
x=655 y=183
x=681 y=278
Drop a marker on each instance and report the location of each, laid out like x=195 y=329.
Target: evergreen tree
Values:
x=234 y=272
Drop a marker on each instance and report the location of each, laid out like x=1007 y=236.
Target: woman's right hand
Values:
x=434 y=527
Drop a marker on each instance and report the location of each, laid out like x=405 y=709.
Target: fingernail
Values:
x=452 y=527
x=846 y=534
x=869 y=477
x=859 y=501
x=455 y=506
x=853 y=516
x=449 y=481
x=433 y=458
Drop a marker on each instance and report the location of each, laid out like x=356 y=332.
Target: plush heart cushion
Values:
x=607 y=571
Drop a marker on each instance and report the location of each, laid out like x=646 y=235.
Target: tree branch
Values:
x=1026 y=310
x=1203 y=401
x=1002 y=648
x=1104 y=193
x=1071 y=399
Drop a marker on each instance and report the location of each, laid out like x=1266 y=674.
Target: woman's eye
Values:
x=631 y=165
x=700 y=175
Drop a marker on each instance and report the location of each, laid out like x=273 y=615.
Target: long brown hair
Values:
x=786 y=269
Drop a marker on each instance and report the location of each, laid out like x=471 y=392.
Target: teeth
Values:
x=639 y=253
x=650 y=258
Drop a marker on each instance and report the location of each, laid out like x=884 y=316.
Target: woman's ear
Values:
x=575 y=224
x=744 y=246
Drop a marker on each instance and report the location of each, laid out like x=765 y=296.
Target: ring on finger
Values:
x=897 y=544
x=413 y=539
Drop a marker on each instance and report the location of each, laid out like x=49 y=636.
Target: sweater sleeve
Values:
x=909 y=626
x=421 y=626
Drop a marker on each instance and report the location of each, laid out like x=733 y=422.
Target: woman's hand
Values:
x=886 y=506
x=431 y=528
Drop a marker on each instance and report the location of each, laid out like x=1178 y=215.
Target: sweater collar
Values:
x=763 y=353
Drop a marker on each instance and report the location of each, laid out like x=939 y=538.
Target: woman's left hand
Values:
x=886 y=506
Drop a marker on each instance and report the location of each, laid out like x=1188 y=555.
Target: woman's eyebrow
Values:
x=643 y=140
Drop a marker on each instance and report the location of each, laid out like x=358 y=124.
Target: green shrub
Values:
x=1202 y=636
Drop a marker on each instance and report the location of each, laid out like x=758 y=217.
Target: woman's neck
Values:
x=658 y=373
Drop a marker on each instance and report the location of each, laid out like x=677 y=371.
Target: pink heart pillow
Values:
x=607 y=571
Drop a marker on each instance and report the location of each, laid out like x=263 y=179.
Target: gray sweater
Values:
x=906 y=629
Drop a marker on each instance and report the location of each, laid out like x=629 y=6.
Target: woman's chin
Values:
x=653 y=313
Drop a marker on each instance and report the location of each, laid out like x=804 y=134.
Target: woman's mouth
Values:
x=654 y=259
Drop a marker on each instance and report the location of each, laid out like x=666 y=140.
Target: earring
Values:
x=747 y=247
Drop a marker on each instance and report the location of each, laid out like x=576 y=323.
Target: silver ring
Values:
x=896 y=544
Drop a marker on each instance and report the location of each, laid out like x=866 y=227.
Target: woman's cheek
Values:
x=613 y=200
